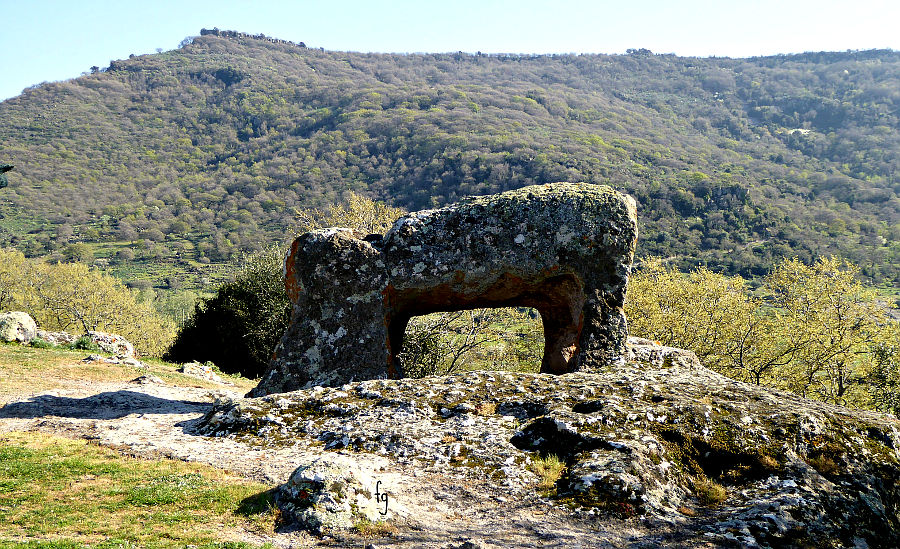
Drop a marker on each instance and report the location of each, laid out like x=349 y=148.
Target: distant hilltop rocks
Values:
x=236 y=34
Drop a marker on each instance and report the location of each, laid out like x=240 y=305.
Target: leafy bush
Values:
x=39 y=343
x=238 y=327
x=85 y=343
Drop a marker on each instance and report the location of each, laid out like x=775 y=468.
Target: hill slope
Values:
x=202 y=152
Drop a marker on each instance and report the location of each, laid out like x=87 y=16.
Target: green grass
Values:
x=709 y=492
x=56 y=492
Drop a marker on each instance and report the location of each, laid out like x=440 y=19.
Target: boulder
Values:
x=202 y=371
x=17 y=326
x=57 y=338
x=565 y=249
x=332 y=492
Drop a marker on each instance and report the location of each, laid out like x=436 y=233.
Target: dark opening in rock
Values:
x=720 y=462
x=507 y=338
x=548 y=436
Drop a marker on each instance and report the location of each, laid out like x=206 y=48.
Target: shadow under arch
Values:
x=559 y=301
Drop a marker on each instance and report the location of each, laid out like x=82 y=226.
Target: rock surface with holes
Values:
x=655 y=436
x=564 y=248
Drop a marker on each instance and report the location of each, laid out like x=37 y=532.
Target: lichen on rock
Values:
x=332 y=492
x=565 y=249
x=638 y=440
x=17 y=326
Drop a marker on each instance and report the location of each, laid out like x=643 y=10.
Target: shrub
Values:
x=240 y=325
x=39 y=343
x=85 y=343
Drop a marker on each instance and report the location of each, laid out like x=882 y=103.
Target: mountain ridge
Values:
x=199 y=154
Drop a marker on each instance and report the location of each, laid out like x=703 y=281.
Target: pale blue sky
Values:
x=49 y=40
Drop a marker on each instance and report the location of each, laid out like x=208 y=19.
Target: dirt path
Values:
x=433 y=509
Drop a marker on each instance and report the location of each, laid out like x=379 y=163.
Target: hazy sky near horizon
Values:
x=50 y=40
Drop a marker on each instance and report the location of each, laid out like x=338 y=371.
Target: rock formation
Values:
x=112 y=343
x=703 y=459
x=564 y=249
x=17 y=326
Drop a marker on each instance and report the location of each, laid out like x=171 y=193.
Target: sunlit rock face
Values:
x=564 y=248
x=702 y=460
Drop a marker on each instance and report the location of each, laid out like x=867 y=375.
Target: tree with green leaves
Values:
x=812 y=329
x=239 y=326
x=76 y=298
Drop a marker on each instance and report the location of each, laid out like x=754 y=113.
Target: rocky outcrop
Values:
x=113 y=344
x=57 y=338
x=564 y=249
x=17 y=326
x=657 y=436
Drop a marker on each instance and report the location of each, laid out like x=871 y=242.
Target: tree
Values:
x=74 y=297
x=835 y=321
x=79 y=251
x=12 y=270
x=497 y=339
x=704 y=311
x=812 y=329
x=359 y=213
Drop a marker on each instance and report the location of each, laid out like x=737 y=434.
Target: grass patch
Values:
x=375 y=529
x=34 y=369
x=709 y=493
x=548 y=469
x=70 y=493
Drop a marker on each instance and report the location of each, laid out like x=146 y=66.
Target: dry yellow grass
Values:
x=25 y=370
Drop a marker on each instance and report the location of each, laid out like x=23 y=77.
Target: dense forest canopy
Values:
x=196 y=155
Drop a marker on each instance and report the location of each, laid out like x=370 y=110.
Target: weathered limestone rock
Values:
x=112 y=343
x=17 y=326
x=57 y=338
x=564 y=249
x=332 y=492
x=638 y=440
x=202 y=371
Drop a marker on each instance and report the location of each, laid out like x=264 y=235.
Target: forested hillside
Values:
x=191 y=156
